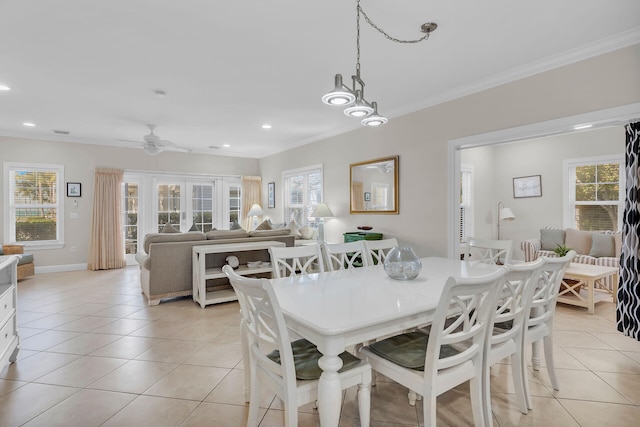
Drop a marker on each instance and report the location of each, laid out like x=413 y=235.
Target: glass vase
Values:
x=402 y=263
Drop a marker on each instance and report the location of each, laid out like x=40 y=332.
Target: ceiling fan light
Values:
x=361 y=108
x=151 y=149
x=340 y=95
x=374 y=119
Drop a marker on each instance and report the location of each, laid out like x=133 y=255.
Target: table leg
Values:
x=590 y=296
x=329 y=391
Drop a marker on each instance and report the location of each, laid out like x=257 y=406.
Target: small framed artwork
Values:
x=271 y=195
x=527 y=186
x=367 y=196
x=74 y=189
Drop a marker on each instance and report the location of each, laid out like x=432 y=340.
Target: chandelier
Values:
x=353 y=98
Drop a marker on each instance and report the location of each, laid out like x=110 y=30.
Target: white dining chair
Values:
x=506 y=336
x=451 y=353
x=377 y=250
x=344 y=256
x=295 y=260
x=538 y=327
x=288 y=369
x=488 y=251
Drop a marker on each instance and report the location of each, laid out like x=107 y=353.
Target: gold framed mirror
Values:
x=374 y=186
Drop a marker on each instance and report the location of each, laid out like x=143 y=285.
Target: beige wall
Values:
x=496 y=166
x=420 y=139
x=80 y=161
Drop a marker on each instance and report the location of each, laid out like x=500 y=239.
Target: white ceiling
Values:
x=91 y=67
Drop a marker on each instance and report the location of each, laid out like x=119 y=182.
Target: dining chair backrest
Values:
x=345 y=256
x=464 y=314
x=543 y=304
x=295 y=260
x=377 y=250
x=514 y=301
x=488 y=251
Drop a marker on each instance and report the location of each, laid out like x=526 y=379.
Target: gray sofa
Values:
x=166 y=259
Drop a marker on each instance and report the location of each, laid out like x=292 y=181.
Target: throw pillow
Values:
x=193 y=227
x=264 y=225
x=307 y=233
x=168 y=228
x=236 y=226
x=602 y=245
x=550 y=237
x=579 y=241
x=293 y=229
x=1 y=250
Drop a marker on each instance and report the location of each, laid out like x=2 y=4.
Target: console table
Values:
x=580 y=279
x=9 y=338
x=207 y=266
x=353 y=236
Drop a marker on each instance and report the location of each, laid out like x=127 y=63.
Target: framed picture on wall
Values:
x=527 y=186
x=74 y=189
x=271 y=195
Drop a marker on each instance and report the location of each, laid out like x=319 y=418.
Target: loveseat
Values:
x=25 y=262
x=592 y=247
x=166 y=259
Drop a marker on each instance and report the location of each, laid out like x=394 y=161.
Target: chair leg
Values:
x=429 y=411
x=477 y=404
x=254 y=399
x=548 y=356
x=364 y=401
x=486 y=395
x=517 y=373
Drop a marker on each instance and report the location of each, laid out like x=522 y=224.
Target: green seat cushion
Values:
x=504 y=325
x=25 y=259
x=408 y=350
x=306 y=356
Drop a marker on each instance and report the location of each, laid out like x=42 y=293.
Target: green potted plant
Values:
x=561 y=250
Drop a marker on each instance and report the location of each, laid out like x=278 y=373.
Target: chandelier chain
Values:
x=393 y=39
x=358 y=9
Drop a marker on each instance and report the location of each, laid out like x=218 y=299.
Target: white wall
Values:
x=420 y=139
x=544 y=156
x=80 y=162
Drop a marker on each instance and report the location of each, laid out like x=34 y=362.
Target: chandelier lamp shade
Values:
x=353 y=98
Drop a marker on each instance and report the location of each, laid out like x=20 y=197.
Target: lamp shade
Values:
x=255 y=210
x=340 y=95
x=506 y=215
x=322 y=211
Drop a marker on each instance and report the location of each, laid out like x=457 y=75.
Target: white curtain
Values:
x=106 y=247
x=251 y=194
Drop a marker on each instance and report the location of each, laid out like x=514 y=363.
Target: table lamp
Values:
x=321 y=211
x=504 y=214
x=255 y=212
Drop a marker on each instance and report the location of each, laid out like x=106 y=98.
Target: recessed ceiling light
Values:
x=3 y=87
x=266 y=126
x=214 y=147
x=585 y=126
x=159 y=93
x=226 y=145
x=29 y=124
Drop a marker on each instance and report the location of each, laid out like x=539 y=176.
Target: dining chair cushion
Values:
x=306 y=356
x=408 y=350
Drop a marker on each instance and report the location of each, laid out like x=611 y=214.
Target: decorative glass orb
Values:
x=402 y=263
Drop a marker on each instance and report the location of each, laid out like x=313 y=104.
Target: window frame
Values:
x=466 y=192
x=9 y=230
x=306 y=171
x=569 y=193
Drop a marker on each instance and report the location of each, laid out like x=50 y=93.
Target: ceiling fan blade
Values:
x=129 y=140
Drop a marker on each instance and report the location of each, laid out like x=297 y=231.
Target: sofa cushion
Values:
x=602 y=245
x=263 y=233
x=168 y=228
x=578 y=240
x=172 y=237
x=550 y=238
x=226 y=234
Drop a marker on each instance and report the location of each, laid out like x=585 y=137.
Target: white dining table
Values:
x=338 y=309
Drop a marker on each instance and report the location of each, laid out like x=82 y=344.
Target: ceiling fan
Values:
x=152 y=144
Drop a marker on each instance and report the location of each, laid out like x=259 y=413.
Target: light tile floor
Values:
x=94 y=354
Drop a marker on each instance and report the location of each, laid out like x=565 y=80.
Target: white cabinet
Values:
x=204 y=269
x=9 y=339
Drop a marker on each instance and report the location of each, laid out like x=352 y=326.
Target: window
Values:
x=130 y=224
x=595 y=193
x=303 y=191
x=35 y=206
x=233 y=196
x=202 y=206
x=466 y=202
x=169 y=205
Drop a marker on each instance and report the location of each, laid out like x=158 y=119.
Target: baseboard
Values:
x=61 y=268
